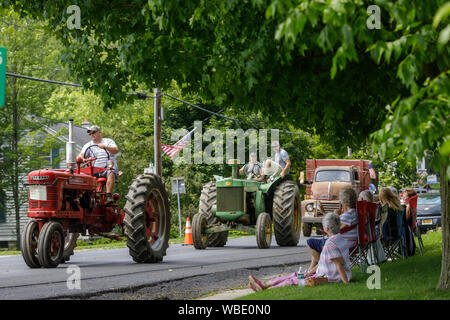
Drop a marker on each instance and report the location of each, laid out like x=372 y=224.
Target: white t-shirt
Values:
x=281 y=157
x=100 y=154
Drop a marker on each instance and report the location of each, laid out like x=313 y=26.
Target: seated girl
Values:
x=333 y=266
x=349 y=218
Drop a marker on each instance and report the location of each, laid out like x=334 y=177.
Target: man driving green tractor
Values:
x=250 y=205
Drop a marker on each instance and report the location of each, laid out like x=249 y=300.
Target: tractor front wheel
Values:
x=207 y=200
x=263 y=230
x=51 y=244
x=29 y=244
x=199 y=226
x=147 y=219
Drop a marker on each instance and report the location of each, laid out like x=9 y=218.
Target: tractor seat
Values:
x=101 y=180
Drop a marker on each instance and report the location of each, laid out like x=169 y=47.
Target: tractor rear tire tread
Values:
x=284 y=199
x=69 y=247
x=134 y=222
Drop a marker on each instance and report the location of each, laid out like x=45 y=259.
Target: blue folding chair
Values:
x=394 y=236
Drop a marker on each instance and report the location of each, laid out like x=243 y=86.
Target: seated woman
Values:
x=390 y=208
x=333 y=266
x=408 y=193
x=348 y=217
x=365 y=195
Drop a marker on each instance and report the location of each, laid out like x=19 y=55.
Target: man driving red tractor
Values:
x=94 y=149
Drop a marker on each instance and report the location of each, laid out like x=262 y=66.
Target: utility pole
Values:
x=157 y=132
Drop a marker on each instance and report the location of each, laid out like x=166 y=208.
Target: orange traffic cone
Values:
x=188 y=233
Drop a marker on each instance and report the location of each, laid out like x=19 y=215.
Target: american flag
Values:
x=171 y=151
x=372 y=173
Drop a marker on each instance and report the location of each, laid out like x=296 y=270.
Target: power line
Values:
x=143 y=95
x=43 y=80
x=198 y=107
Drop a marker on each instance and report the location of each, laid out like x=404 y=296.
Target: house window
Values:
x=2 y=206
x=55 y=158
x=51 y=159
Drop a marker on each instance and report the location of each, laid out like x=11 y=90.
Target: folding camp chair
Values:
x=366 y=234
x=395 y=244
x=414 y=225
x=372 y=254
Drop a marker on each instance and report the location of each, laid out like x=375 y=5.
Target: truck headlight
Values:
x=309 y=207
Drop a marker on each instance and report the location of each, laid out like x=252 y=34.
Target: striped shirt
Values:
x=335 y=247
x=350 y=218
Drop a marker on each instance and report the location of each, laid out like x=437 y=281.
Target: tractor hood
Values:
x=328 y=190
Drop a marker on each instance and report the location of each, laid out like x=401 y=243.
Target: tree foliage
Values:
x=23 y=144
x=226 y=52
x=313 y=64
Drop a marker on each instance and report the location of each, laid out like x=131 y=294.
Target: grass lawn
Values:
x=411 y=279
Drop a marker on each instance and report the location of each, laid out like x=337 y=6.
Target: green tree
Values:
x=398 y=173
x=314 y=64
x=23 y=145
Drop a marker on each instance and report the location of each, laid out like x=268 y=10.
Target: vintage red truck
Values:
x=325 y=178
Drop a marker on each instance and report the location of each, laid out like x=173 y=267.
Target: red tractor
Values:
x=66 y=202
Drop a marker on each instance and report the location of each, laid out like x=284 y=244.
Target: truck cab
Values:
x=325 y=180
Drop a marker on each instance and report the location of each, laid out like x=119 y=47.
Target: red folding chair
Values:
x=375 y=256
x=365 y=232
x=366 y=235
x=414 y=225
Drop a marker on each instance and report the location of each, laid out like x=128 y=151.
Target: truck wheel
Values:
x=70 y=242
x=307 y=228
x=29 y=244
x=199 y=226
x=147 y=219
x=51 y=244
x=286 y=213
x=319 y=229
x=207 y=200
x=263 y=230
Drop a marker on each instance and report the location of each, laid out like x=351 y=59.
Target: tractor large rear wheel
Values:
x=70 y=242
x=207 y=200
x=29 y=244
x=286 y=213
x=147 y=219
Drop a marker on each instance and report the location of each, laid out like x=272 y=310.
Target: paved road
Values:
x=113 y=269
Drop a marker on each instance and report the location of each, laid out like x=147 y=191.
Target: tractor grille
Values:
x=230 y=199
x=330 y=206
x=50 y=204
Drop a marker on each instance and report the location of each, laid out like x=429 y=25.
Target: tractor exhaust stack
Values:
x=70 y=148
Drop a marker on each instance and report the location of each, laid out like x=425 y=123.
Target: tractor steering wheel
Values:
x=96 y=145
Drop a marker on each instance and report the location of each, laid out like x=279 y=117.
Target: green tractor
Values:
x=247 y=205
